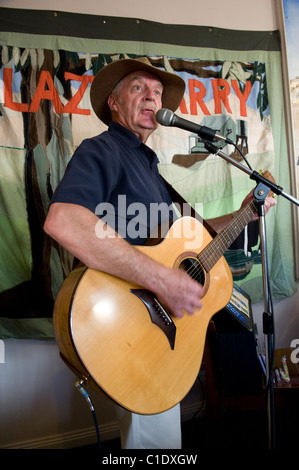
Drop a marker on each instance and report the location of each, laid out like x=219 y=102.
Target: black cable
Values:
x=80 y=387
x=203 y=398
x=213 y=149
x=242 y=155
x=97 y=429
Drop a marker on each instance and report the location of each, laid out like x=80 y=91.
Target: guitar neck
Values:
x=217 y=247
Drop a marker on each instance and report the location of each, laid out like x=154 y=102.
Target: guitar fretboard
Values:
x=217 y=247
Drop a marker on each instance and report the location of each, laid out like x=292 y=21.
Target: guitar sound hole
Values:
x=194 y=269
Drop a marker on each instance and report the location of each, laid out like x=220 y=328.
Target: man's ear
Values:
x=112 y=102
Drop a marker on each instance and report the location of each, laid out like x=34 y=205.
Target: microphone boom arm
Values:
x=254 y=175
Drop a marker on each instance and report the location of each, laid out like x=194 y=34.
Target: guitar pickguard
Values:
x=158 y=314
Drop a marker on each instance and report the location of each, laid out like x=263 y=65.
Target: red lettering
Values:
x=46 y=90
x=221 y=90
x=197 y=96
x=42 y=93
x=183 y=107
x=242 y=96
x=8 y=98
x=71 y=106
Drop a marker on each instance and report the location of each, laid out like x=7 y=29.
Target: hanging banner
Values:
x=46 y=113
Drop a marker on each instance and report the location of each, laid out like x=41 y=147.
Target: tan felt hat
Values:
x=108 y=77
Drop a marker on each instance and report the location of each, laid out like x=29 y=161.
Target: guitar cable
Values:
x=80 y=387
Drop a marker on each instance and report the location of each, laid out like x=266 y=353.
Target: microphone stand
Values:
x=261 y=191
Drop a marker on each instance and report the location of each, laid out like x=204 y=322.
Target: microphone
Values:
x=168 y=118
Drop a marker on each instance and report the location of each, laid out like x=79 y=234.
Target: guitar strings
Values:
x=210 y=252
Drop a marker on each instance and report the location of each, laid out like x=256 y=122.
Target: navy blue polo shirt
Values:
x=115 y=176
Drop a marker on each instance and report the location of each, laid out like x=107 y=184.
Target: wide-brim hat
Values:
x=108 y=77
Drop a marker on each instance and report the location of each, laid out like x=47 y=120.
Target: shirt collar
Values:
x=125 y=134
x=131 y=140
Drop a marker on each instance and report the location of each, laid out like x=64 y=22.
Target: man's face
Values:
x=134 y=105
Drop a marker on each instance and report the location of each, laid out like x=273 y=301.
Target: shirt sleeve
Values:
x=90 y=176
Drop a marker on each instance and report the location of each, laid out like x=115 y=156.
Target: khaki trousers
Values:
x=160 y=431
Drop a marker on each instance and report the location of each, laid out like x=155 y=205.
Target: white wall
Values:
x=39 y=405
x=231 y=14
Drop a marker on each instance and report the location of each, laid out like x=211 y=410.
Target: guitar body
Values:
x=106 y=334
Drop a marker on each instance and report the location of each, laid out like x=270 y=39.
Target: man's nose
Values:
x=150 y=94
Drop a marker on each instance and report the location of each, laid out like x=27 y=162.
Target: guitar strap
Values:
x=178 y=198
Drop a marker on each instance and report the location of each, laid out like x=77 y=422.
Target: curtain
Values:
x=233 y=85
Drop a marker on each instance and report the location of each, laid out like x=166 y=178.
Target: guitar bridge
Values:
x=158 y=314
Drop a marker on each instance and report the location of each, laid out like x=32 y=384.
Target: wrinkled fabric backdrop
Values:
x=48 y=61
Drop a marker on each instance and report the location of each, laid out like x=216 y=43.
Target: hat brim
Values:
x=108 y=77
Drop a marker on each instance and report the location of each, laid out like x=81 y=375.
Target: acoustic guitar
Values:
x=119 y=338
